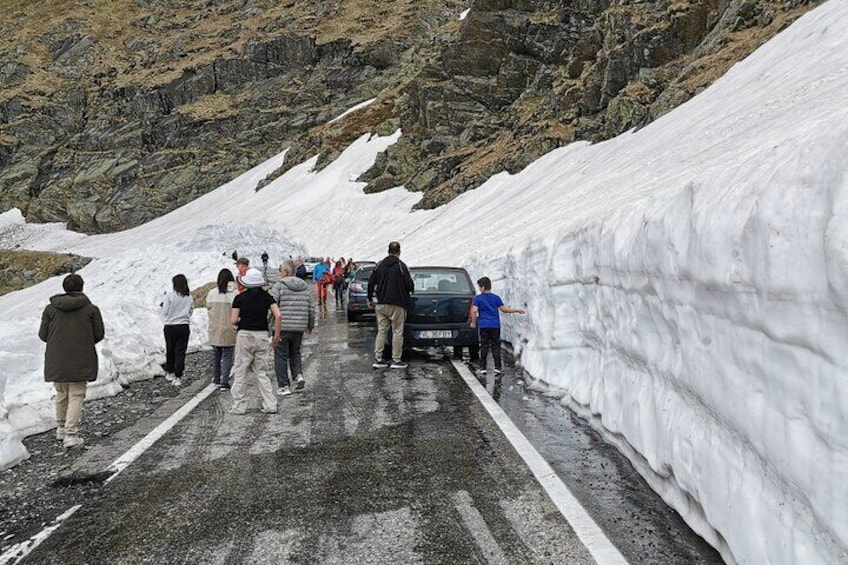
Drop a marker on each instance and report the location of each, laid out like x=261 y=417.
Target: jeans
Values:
x=338 y=289
x=287 y=356
x=176 y=343
x=490 y=338
x=222 y=364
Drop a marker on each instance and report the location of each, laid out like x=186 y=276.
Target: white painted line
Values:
x=133 y=453
x=590 y=534
x=21 y=550
x=476 y=524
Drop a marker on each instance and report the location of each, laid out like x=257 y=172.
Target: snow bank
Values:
x=686 y=286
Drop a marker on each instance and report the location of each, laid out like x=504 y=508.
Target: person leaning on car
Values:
x=393 y=285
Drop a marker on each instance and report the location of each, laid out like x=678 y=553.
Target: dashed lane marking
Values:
x=476 y=524
x=590 y=534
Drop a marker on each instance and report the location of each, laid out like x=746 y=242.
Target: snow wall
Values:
x=686 y=286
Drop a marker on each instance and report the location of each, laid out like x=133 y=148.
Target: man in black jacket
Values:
x=393 y=284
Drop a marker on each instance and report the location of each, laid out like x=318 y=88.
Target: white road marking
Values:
x=590 y=534
x=476 y=524
x=133 y=453
x=21 y=550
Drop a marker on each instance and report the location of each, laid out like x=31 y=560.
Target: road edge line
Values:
x=22 y=549
x=590 y=534
x=154 y=435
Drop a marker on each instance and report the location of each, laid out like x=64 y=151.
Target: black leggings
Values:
x=490 y=338
x=176 y=343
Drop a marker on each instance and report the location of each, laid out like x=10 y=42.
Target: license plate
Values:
x=435 y=334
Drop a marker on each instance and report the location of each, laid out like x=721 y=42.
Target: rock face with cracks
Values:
x=112 y=114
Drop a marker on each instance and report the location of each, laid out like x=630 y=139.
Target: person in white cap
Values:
x=253 y=353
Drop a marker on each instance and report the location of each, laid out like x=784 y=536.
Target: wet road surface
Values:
x=360 y=467
x=634 y=517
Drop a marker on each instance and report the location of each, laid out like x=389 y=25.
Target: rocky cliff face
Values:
x=526 y=76
x=112 y=113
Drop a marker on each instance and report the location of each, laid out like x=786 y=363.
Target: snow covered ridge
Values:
x=686 y=286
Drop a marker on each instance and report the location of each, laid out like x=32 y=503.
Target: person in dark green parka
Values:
x=70 y=325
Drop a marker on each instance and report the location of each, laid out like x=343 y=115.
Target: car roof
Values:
x=442 y=268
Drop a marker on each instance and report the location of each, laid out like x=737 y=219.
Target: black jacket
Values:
x=392 y=281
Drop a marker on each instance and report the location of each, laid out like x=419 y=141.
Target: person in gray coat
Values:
x=298 y=315
x=70 y=325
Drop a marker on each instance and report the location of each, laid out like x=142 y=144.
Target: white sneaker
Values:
x=379 y=364
x=72 y=441
x=399 y=365
x=499 y=371
x=170 y=377
x=60 y=433
x=176 y=382
x=299 y=382
x=283 y=391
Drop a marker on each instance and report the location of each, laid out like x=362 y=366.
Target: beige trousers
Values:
x=253 y=357
x=389 y=315
x=69 y=397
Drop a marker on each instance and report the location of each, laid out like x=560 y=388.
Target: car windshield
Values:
x=451 y=281
x=313 y=260
x=364 y=274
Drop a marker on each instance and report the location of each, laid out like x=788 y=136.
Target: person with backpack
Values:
x=393 y=285
x=70 y=326
x=485 y=314
x=298 y=315
x=176 y=308
x=222 y=334
x=338 y=283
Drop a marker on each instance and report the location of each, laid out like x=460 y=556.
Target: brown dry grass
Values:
x=21 y=269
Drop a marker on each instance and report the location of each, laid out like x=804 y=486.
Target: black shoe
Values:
x=399 y=365
x=380 y=364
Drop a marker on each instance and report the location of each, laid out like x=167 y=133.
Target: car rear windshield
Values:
x=364 y=274
x=451 y=281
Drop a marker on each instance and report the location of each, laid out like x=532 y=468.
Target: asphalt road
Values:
x=363 y=466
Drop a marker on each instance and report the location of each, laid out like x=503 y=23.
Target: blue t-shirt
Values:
x=487 y=305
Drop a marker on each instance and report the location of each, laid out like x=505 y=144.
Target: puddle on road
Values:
x=635 y=518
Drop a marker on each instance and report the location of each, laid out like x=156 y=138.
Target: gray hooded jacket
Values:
x=295 y=302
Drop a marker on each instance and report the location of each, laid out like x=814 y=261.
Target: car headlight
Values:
x=356 y=287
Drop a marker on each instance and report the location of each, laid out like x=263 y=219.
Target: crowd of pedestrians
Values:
x=243 y=311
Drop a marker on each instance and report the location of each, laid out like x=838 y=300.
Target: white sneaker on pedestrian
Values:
x=299 y=382
x=481 y=371
x=170 y=377
x=72 y=441
x=399 y=365
x=283 y=391
x=176 y=382
x=60 y=433
x=499 y=371
x=380 y=364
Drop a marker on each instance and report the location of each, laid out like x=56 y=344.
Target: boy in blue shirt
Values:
x=486 y=315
